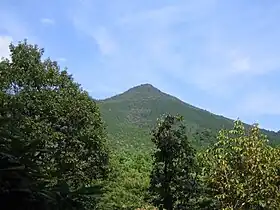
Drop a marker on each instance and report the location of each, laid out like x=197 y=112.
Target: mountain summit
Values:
x=143 y=90
x=131 y=115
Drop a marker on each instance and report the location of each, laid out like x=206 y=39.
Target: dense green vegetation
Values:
x=130 y=116
x=241 y=170
x=51 y=135
x=173 y=184
x=54 y=152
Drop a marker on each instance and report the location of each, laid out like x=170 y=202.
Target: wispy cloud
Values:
x=4 y=46
x=240 y=63
x=190 y=41
x=48 y=21
x=61 y=59
x=260 y=102
x=100 y=34
x=105 y=41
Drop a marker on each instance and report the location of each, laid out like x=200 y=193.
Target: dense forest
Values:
x=143 y=149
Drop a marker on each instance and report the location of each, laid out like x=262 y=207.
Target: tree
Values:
x=202 y=138
x=128 y=182
x=49 y=124
x=241 y=170
x=172 y=184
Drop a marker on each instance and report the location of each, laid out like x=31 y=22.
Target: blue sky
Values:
x=223 y=56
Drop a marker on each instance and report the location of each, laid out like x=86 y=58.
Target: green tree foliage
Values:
x=148 y=207
x=50 y=125
x=172 y=183
x=241 y=171
x=128 y=181
x=203 y=138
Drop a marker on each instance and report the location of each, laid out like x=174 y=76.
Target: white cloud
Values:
x=4 y=46
x=48 y=21
x=100 y=34
x=239 y=63
x=61 y=59
x=105 y=41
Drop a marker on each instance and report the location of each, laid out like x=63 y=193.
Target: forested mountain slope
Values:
x=130 y=116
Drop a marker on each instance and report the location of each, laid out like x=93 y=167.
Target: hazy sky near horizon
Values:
x=222 y=56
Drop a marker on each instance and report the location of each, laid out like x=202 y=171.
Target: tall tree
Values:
x=48 y=123
x=241 y=171
x=172 y=184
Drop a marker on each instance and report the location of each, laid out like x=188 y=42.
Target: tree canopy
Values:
x=49 y=124
x=172 y=180
x=241 y=170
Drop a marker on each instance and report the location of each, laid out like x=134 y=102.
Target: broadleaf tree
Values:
x=241 y=171
x=49 y=123
x=173 y=184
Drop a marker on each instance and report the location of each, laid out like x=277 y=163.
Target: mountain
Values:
x=130 y=116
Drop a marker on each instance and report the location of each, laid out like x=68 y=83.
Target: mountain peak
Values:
x=139 y=91
x=145 y=87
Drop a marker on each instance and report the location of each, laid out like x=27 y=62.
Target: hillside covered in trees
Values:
x=143 y=149
x=130 y=116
